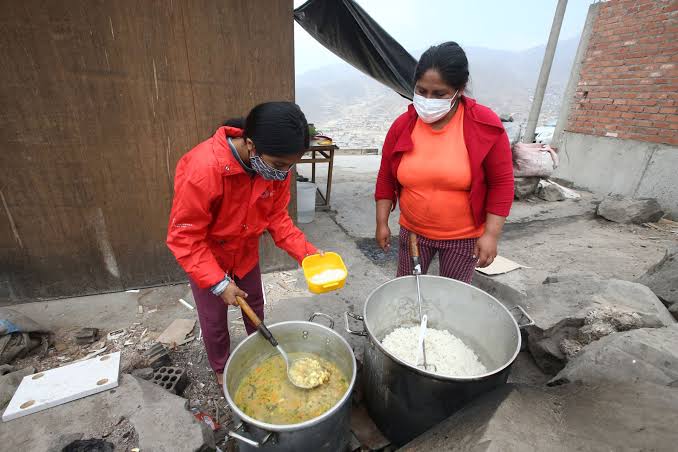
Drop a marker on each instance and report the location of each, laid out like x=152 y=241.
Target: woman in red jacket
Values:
x=448 y=161
x=228 y=190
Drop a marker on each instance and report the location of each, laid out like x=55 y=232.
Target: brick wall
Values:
x=628 y=85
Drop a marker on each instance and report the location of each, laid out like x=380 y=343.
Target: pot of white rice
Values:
x=471 y=342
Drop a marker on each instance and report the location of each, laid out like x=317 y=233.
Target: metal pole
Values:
x=544 y=73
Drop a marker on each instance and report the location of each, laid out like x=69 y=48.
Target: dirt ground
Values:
x=551 y=238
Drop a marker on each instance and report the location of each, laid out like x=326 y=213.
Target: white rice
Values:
x=448 y=353
x=328 y=276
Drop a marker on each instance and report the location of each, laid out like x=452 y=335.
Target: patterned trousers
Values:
x=456 y=256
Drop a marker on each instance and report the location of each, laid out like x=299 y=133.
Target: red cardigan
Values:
x=489 y=154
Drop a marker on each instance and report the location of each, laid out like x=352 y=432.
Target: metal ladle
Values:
x=416 y=270
x=254 y=318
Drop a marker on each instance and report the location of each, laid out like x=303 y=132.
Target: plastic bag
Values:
x=534 y=159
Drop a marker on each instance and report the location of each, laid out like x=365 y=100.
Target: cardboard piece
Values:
x=177 y=332
x=499 y=266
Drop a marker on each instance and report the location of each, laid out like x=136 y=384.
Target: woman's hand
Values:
x=231 y=291
x=383 y=236
x=486 y=249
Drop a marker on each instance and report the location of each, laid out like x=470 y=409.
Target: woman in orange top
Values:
x=448 y=161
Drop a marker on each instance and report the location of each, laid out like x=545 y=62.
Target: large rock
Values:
x=551 y=191
x=627 y=210
x=648 y=355
x=525 y=186
x=9 y=382
x=517 y=418
x=573 y=311
x=159 y=418
x=662 y=278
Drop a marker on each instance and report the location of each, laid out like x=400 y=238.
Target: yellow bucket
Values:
x=315 y=266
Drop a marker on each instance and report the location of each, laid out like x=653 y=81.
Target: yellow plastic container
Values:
x=316 y=264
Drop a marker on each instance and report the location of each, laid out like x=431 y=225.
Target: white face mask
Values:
x=432 y=110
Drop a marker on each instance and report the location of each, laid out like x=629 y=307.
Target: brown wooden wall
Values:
x=98 y=101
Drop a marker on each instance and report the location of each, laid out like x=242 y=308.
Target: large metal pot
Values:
x=404 y=400
x=328 y=432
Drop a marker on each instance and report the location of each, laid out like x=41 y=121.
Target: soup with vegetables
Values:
x=267 y=395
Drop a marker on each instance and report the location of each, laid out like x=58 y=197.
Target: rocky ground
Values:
x=592 y=320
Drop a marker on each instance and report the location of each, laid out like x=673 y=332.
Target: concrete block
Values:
x=157 y=356
x=174 y=379
x=603 y=164
x=625 y=167
x=659 y=179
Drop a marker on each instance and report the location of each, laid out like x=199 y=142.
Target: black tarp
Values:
x=344 y=28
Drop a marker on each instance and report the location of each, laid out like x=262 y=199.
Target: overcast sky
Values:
x=417 y=24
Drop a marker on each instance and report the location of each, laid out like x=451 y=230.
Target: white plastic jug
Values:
x=305 y=202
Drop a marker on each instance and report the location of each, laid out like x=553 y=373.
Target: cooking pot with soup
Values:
x=269 y=412
x=405 y=400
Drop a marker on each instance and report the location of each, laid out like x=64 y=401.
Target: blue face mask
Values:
x=266 y=171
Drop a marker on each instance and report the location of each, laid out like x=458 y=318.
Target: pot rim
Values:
x=301 y=425
x=433 y=375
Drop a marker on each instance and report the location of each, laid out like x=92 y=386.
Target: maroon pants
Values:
x=456 y=256
x=212 y=314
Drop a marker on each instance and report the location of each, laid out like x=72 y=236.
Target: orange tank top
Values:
x=436 y=182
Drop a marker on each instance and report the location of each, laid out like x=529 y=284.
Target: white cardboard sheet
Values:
x=64 y=384
x=499 y=266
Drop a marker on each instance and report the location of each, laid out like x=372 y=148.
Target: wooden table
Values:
x=321 y=154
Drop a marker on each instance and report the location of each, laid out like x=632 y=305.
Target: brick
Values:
x=661 y=124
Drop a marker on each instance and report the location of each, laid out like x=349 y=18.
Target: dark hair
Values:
x=238 y=123
x=277 y=128
x=449 y=59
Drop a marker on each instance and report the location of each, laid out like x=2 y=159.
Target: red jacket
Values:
x=219 y=212
x=489 y=154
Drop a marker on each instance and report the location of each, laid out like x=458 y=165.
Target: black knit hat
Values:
x=277 y=128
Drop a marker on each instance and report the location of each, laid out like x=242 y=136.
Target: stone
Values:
x=551 y=191
x=9 y=382
x=625 y=210
x=662 y=279
x=145 y=373
x=576 y=310
x=86 y=336
x=647 y=354
x=525 y=186
x=516 y=418
x=160 y=419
